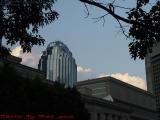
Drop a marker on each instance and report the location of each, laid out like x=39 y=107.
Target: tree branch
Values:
x=101 y=18
x=122 y=29
x=87 y=11
x=110 y=12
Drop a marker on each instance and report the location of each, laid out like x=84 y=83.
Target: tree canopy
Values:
x=20 y=21
x=22 y=96
x=143 y=21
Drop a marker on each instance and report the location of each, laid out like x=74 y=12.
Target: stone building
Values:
x=111 y=99
x=23 y=70
x=105 y=98
x=152 y=62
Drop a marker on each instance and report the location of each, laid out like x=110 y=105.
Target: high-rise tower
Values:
x=58 y=64
x=152 y=62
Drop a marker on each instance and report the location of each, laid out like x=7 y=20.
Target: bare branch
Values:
x=110 y=12
x=101 y=18
x=113 y=1
x=87 y=11
x=122 y=29
x=122 y=7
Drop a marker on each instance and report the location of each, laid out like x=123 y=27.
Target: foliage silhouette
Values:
x=35 y=96
x=143 y=21
x=20 y=21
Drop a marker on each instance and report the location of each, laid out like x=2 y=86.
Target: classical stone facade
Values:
x=110 y=99
x=101 y=109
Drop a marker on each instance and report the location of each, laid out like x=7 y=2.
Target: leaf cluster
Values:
x=20 y=21
x=145 y=31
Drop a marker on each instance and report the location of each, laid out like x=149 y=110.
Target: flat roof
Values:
x=111 y=79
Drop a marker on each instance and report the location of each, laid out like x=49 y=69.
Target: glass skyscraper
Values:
x=58 y=64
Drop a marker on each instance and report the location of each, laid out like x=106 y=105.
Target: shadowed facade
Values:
x=152 y=62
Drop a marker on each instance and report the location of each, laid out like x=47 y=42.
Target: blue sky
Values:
x=102 y=49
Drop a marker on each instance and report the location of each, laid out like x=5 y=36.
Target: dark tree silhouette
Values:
x=143 y=20
x=20 y=21
x=22 y=96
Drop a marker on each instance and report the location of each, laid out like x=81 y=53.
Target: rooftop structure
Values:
x=112 y=89
x=110 y=99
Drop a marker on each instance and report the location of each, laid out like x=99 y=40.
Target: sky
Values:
x=99 y=50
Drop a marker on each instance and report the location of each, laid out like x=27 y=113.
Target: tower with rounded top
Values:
x=58 y=64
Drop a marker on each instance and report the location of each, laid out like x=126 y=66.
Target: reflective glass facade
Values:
x=58 y=64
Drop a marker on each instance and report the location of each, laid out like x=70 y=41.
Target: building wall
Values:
x=131 y=94
x=152 y=62
x=23 y=70
x=100 y=109
x=102 y=87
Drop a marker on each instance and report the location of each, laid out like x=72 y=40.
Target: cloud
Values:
x=17 y=52
x=133 y=80
x=84 y=73
x=29 y=59
x=83 y=70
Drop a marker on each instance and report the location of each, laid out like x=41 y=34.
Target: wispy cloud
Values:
x=29 y=59
x=84 y=73
x=133 y=80
x=83 y=70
